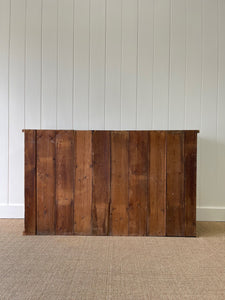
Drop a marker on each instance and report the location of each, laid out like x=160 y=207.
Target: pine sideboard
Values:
x=138 y=183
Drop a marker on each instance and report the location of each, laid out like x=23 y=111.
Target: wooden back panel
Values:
x=110 y=182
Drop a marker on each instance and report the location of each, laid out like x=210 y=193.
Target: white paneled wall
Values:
x=113 y=64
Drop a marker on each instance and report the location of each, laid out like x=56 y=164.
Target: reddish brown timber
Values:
x=101 y=182
x=45 y=182
x=138 y=182
x=30 y=182
x=64 y=181
x=83 y=183
x=175 y=215
x=157 y=183
x=119 y=183
x=190 y=157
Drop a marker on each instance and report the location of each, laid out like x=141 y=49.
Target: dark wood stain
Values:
x=119 y=183
x=190 y=158
x=157 y=184
x=64 y=181
x=101 y=182
x=46 y=182
x=30 y=182
x=138 y=182
x=110 y=182
x=83 y=183
x=175 y=185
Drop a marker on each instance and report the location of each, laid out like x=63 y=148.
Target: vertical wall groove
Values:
x=41 y=64
x=57 y=65
x=10 y=12
x=136 y=121
x=185 y=72
x=169 y=69
x=25 y=45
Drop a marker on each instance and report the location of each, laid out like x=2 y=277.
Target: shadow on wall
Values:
x=210 y=172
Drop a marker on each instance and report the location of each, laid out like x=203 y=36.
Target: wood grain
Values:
x=101 y=182
x=110 y=182
x=83 y=183
x=64 y=181
x=190 y=157
x=119 y=183
x=45 y=182
x=138 y=182
x=30 y=183
x=175 y=215
x=157 y=184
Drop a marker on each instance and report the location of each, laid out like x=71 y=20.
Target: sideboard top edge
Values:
x=112 y=130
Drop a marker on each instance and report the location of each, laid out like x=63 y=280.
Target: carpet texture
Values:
x=76 y=267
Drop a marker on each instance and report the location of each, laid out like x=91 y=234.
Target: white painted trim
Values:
x=211 y=213
x=206 y=213
x=12 y=211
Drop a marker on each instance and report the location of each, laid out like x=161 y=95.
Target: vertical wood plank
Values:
x=129 y=65
x=161 y=63
x=97 y=64
x=190 y=156
x=65 y=65
x=49 y=65
x=16 y=101
x=4 y=96
x=145 y=63
x=119 y=183
x=175 y=216
x=64 y=181
x=45 y=182
x=138 y=182
x=113 y=64
x=177 y=65
x=83 y=182
x=157 y=184
x=30 y=182
x=33 y=64
x=101 y=182
x=81 y=64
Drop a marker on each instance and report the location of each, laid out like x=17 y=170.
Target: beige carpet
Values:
x=74 y=267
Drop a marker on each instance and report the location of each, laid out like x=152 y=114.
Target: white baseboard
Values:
x=209 y=213
x=14 y=211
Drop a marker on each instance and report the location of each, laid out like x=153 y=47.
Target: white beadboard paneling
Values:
x=4 y=94
x=16 y=101
x=113 y=64
x=208 y=153
x=65 y=65
x=81 y=63
x=194 y=73
x=97 y=65
x=193 y=65
x=145 y=64
x=33 y=64
x=129 y=65
x=49 y=64
x=161 y=63
x=221 y=105
x=177 y=64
